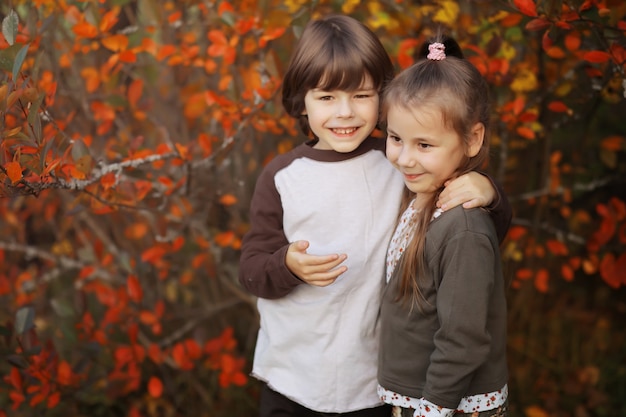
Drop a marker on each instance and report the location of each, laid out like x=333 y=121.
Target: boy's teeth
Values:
x=344 y=131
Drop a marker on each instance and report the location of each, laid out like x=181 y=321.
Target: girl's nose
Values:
x=405 y=159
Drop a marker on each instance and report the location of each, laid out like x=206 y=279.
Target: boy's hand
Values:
x=472 y=190
x=312 y=269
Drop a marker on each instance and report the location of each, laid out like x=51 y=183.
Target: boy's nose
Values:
x=345 y=109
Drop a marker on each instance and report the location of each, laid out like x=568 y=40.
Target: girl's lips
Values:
x=411 y=177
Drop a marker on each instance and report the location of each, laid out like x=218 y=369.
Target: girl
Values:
x=443 y=313
x=336 y=194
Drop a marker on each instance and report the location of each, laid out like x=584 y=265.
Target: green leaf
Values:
x=34 y=119
x=79 y=149
x=24 y=319
x=10 y=25
x=7 y=57
x=19 y=60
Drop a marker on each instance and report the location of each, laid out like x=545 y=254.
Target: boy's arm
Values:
x=477 y=189
x=262 y=268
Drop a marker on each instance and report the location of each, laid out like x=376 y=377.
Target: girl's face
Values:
x=424 y=149
x=342 y=120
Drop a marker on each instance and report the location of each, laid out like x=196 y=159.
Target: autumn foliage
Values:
x=131 y=134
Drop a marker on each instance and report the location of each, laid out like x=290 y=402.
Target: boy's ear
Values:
x=477 y=136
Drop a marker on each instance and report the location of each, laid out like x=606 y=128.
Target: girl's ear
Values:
x=477 y=135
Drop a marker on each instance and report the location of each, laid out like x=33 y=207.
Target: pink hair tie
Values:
x=436 y=51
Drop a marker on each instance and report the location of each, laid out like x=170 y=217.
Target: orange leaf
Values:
x=596 y=57
x=135 y=90
x=526 y=132
x=527 y=7
x=225 y=239
x=155 y=387
x=109 y=19
x=271 y=35
x=136 y=231
x=228 y=199
x=108 y=180
x=613 y=143
x=85 y=30
x=224 y=7
x=14 y=171
x=572 y=41
x=128 y=57
x=148 y=317
x=555 y=52
x=115 y=43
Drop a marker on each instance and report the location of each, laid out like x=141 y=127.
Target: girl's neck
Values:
x=421 y=200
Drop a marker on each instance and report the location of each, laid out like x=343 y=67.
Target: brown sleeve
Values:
x=500 y=210
x=262 y=269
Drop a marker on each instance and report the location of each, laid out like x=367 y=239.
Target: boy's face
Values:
x=342 y=120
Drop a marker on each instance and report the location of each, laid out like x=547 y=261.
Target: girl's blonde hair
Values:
x=455 y=87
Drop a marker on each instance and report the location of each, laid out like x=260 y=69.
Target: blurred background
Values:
x=131 y=136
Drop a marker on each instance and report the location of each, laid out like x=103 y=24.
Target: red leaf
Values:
x=53 y=399
x=596 y=57
x=527 y=7
x=610 y=271
x=133 y=286
x=541 y=281
x=155 y=387
x=153 y=254
x=558 y=107
x=538 y=24
x=64 y=373
x=557 y=247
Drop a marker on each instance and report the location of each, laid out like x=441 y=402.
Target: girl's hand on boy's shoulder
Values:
x=471 y=190
x=318 y=270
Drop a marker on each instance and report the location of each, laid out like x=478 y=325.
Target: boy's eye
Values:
x=424 y=145
x=394 y=138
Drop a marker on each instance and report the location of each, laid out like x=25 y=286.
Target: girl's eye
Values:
x=424 y=145
x=325 y=98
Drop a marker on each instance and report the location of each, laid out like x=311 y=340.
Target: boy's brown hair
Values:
x=334 y=53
